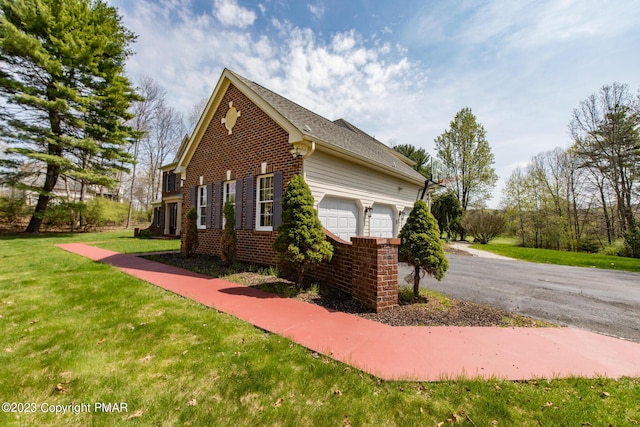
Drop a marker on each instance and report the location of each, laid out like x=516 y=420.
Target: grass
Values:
x=507 y=247
x=75 y=331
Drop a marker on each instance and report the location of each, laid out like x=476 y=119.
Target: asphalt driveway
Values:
x=602 y=301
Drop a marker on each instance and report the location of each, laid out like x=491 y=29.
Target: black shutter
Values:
x=278 y=190
x=218 y=206
x=248 y=220
x=209 y=200
x=194 y=194
x=238 y=203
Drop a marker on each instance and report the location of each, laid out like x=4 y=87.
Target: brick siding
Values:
x=366 y=268
x=256 y=138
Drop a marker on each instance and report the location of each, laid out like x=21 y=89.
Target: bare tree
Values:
x=143 y=112
x=194 y=114
x=605 y=128
x=165 y=134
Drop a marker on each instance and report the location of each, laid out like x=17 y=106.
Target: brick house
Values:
x=250 y=141
x=167 y=211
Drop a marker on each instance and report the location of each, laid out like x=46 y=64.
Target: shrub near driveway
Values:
x=75 y=331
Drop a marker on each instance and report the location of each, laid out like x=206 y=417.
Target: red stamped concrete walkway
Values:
x=396 y=353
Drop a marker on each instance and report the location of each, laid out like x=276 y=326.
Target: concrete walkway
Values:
x=466 y=247
x=395 y=353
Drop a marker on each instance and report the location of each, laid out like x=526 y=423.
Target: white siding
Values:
x=328 y=175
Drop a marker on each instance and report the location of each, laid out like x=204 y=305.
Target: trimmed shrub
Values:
x=228 y=241
x=421 y=246
x=191 y=233
x=301 y=242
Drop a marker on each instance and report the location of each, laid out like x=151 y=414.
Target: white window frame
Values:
x=264 y=203
x=226 y=195
x=201 y=197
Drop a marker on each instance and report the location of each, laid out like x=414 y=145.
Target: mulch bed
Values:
x=431 y=311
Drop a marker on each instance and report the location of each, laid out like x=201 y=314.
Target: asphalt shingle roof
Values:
x=339 y=133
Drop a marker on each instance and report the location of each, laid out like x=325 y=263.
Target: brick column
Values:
x=375 y=272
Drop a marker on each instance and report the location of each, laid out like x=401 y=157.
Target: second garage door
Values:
x=340 y=216
x=381 y=224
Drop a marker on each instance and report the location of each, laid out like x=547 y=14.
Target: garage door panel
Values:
x=381 y=221
x=340 y=216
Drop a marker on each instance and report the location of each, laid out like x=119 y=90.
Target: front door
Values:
x=173 y=217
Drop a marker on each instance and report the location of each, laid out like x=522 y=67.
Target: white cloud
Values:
x=316 y=9
x=341 y=77
x=230 y=14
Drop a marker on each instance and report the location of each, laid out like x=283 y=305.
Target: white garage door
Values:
x=340 y=216
x=381 y=224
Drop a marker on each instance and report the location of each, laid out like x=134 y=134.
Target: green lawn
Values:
x=507 y=247
x=78 y=332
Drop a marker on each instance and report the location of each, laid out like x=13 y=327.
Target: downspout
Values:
x=424 y=190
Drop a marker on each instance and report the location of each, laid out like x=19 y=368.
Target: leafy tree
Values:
x=228 y=241
x=446 y=208
x=484 y=226
x=301 y=243
x=420 y=245
x=632 y=242
x=418 y=155
x=65 y=94
x=191 y=232
x=464 y=150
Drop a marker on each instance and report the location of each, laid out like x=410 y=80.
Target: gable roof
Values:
x=337 y=136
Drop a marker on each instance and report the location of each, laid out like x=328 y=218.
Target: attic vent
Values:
x=306 y=128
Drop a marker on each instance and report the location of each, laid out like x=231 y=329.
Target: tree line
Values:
x=70 y=113
x=584 y=197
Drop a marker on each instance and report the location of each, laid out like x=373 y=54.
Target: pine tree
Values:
x=301 y=243
x=65 y=96
x=420 y=245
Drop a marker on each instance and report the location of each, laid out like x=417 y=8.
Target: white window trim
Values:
x=201 y=203
x=258 y=226
x=225 y=195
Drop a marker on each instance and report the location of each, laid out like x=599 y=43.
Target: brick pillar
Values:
x=375 y=272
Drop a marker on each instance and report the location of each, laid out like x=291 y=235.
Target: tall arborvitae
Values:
x=301 y=243
x=420 y=245
x=228 y=241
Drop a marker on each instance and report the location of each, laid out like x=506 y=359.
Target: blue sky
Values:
x=400 y=70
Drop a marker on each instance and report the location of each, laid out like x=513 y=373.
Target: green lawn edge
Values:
x=550 y=256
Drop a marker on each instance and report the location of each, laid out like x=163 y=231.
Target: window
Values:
x=167 y=183
x=229 y=189
x=202 y=206
x=264 y=203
